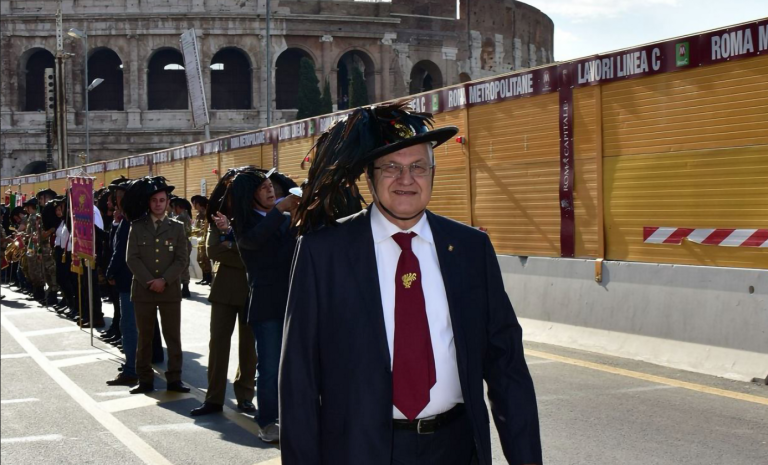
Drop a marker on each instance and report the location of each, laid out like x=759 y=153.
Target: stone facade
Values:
x=402 y=47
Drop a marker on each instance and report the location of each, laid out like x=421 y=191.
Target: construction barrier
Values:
x=573 y=160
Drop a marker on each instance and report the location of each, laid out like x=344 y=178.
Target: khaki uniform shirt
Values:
x=156 y=253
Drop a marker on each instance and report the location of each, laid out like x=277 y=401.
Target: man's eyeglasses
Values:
x=395 y=170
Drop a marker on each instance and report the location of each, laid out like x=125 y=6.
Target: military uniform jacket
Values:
x=230 y=286
x=156 y=253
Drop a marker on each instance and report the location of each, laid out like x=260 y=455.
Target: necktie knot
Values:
x=404 y=240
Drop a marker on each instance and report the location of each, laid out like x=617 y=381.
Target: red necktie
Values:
x=413 y=371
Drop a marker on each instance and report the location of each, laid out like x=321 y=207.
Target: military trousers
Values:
x=202 y=258
x=170 y=318
x=223 y=318
x=49 y=269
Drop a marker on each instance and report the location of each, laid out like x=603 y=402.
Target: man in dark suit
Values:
x=396 y=317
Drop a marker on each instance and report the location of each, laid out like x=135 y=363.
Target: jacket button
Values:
x=157 y=271
x=157 y=250
x=157 y=240
x=157 y=261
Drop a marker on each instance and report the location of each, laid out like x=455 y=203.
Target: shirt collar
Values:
x=155 y=218
x=260 y=212
x=383 y=229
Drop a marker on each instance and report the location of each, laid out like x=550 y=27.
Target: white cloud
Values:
x=577 y=10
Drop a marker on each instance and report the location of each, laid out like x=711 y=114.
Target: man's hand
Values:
x=111 y=282
x=288 y=204
x=156 y=285
x=222 y=222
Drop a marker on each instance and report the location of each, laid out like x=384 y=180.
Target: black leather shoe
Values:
x=206 y=409
x=246 y=406
x=143 y=388
x=185 y=291
x=123 y=380
x=177 y=386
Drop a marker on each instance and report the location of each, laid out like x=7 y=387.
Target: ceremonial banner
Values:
x=567 y=219
x=81 y=200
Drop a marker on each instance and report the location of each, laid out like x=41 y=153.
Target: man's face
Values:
x=119 y=198
x=158 y=203
x=59 y=211
x=408 y=194
x=30 y=209
x=265 y=195
x=198 y=207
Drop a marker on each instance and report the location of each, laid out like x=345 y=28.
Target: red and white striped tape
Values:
x=723 y=237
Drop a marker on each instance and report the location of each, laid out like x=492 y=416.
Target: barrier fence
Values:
x=577 y=159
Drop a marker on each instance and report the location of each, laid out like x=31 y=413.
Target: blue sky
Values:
x=587 y=27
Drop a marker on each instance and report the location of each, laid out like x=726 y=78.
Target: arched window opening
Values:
x=464 y=77
x=287 y=78
x=35 y=80
x=361 y=61
x=425 y=76
x=230 y=80
x=105 y=64
x=167 y=85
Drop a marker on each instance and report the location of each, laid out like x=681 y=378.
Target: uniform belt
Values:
x=431 y=424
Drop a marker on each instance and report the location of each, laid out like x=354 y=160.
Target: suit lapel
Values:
x=447 y=257
x=164 y=226
x=361 y=256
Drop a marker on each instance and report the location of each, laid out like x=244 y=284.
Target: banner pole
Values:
x=90 y=299
x=80 y=299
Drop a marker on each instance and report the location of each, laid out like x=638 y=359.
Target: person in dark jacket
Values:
x=266 y=243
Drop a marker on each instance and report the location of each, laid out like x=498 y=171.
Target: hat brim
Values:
x=50 y=192
x=437 y=137
x=167 y=189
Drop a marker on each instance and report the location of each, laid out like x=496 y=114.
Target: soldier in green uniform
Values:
x=157 y=255
x=46 y=251
x=182 y=209
x=200 y=204
x=34 y=262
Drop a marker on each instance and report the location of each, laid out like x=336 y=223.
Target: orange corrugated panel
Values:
x=59 y=185
x=290 y=155
x=722 y=188
x=515 y=171
x=138 y=171
x=450 y=194
x=710 y=107
x=199 y=169
x=585 y=134
x=109 y=176
x=242 y=157
x=174 y=174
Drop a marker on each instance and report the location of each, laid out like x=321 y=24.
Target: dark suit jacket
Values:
x=266 y=248
x=335 y=376
x=230 y=286
x=157 y=253
x=118 y=268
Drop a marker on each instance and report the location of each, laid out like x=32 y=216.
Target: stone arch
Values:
x=287 y=77
x=361 y=59
x=166 y=81
x=464 y=77
x=33 y=63
x=35 y=167
x=231 y=80
x=425 y=76
x=106 y=64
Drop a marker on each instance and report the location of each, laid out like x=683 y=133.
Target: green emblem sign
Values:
x=682 y=54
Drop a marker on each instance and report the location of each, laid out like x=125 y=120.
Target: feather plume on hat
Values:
x=347 y=149
x=136 y=198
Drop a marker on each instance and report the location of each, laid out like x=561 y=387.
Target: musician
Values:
x=33 y=265
x=397 y=316
x=63 y=259
x=50 y=222
x=17 y=221
x=200 y=204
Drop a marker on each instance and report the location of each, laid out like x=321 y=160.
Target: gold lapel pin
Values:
x=450 y=248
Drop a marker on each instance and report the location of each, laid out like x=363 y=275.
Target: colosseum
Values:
x=402 y=47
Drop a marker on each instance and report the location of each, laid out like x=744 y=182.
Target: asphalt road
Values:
x=56 y=408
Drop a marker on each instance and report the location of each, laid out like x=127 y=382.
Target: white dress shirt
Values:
x=60 y=234
x=446 y=392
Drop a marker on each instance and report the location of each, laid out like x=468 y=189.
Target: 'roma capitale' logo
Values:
x=408 y=279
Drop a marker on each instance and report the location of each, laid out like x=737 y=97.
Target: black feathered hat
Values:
x=136 y=199
x=118 y=183
x=50 y=220
x=201 y=199
x=17 y=211
x=218 y=201
x=30 y=202
x=46 y=191
x=348 y=148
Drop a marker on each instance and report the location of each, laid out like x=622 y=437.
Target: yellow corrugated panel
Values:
x=290 y=155
x=98 y=182
x=59 y=185
x=114 y=174
x=40 y=186
x=710 y=107
x=199 y=168
x=722 y=188
x=585 y=133
x=451 y=193
x=173 y=172
x=515 y=171
x=138 y=171
x=243 y=157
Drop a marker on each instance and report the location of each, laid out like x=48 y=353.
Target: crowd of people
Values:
x=365 y=333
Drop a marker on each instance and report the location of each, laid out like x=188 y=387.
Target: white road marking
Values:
x=9 y=356
x=44 y=332
x=141 y=400
x=174 y=427
x=113 y=393
x=131 y=440
x=47 y=437
x=647 y=388
x=18 y=401
x=540 y=362
x=68 y=362
x=73 y=352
